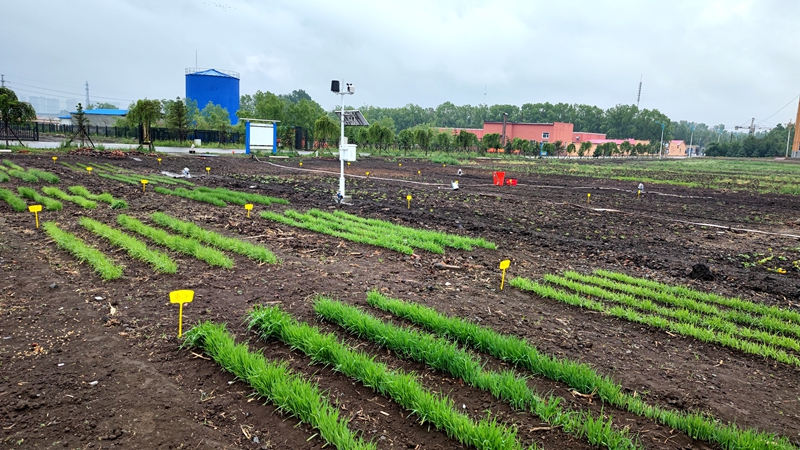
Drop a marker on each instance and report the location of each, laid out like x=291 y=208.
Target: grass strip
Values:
x=445 y=356
x=104 y=197
x=23 y=175
x=4 y=177
x=16 y=203
x=680 y=315
x=580 y=377
x=101 y=264
x=241 y=198
x=44 y=175
x=48 y=203
x=136 y=249
x=122 y=178
x=400 y=386
x=61 y=195
x=767 y=323
x=656 y=321
x=188 y=229
x=735 y=303
x=179 y=244
x=10 y=164
x=193 y=195
x=276 y=383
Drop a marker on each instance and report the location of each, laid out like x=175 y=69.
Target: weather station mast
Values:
x=347 y=152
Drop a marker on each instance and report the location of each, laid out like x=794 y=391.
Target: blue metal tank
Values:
x=220 y=87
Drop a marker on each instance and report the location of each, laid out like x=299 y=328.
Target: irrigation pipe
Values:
x=723 y=227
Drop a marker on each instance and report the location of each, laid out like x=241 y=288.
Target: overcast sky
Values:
x=716 y=61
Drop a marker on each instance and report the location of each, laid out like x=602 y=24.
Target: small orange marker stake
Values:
x=208 y=170
x=588 y=197
x=503 y=266
x=248 y=207
x=144 y=184
x=35 y=210
x=408 y=197
x=89 y=169
x=159 y=161
x=55 y=158
x=181 y=297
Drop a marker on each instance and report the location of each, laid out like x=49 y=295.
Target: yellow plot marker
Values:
x=419 y=172
x=248 y=207
x=348 y=163
x=55 y=158
x=444 y=165
x=144 y=184
x=399 y=164
x=89 y=169
x=208 y=170
x=639 y=194
x=35 y=210
x=588 y=197
x=301 y=163
x=503 y=266
x=181 y=297
x=408 y=197
x=159 y=161
x=367 y=174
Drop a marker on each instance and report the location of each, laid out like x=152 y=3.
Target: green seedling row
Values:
x=16 y=203
x=101 y=264
x=104 y=197
x=578 y=376
x=656 y=321
x=135 y=248
x=122 y=178
x=193 y=195
x=24 y=176
x=179 y=244
x=400 y=386
x=61 y=195
x=188 y=229
x=275 y=382
x=681 y=315
x=444 y=239
x=4 y=177
x=735 y=303
x=374 y=232
x=767 y=323
x=387 y=242
x=241 y=198
x=445 y=356
x=44 y=175
x=10 y=164
x=48 y=203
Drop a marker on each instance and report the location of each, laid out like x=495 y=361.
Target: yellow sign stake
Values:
x=248 y=207
x=408 y=197
x=159 y=161
x=208 y=170
x=35 y=210
x=367 y=174
x=89 y=169
x=181 y=297
x=399 y=164
x=419 y=172
x=55 y=158
x=348 y=163
x=503 y=266
x=144 y=184
x=301 y=163
x=638 y=194
x=588 y=197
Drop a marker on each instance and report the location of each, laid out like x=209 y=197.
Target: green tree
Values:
x=465 y=140
x=101 y=105
x=145 y=112
x=380 y=136
x=491 y=140
x=584 y=148
x=571 y=148
x=13 y=112
x=423 y=136
x=215 y=117
x=177 y=117
x=325 y=130
x=81 y=122
x=442 y=141
x=405 y=139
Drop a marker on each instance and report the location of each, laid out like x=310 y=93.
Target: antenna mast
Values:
x=87 y=95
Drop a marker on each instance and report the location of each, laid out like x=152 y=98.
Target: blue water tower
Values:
x=220 y=87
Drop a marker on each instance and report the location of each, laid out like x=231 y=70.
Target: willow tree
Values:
x=13 y=112
x=325 y=130
x=144 y=113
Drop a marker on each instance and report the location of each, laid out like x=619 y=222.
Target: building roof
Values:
x=212 y=73
x=521 y=123
x=100 y=112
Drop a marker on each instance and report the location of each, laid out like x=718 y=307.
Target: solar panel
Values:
x=353 y=118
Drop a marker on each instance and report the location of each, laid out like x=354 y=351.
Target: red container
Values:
x=499 y=178
x=511 y=181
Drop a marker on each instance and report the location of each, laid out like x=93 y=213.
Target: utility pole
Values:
x=788 y=135
x=503 y=143
x=2 y=80
x=87 y=95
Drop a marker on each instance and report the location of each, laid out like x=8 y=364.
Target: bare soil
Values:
x=93 y=364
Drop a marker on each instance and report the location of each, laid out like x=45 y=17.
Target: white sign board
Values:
x=261 y=136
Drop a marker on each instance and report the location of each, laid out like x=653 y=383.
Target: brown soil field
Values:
x=93 y=364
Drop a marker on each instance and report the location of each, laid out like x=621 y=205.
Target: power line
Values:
x=784 y=106
x=66 y=92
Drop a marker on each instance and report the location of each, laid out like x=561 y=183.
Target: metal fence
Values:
x=24 y=132
x=156 y=134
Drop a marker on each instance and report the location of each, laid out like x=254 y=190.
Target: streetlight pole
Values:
x=691 y=139
x=661 y=144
